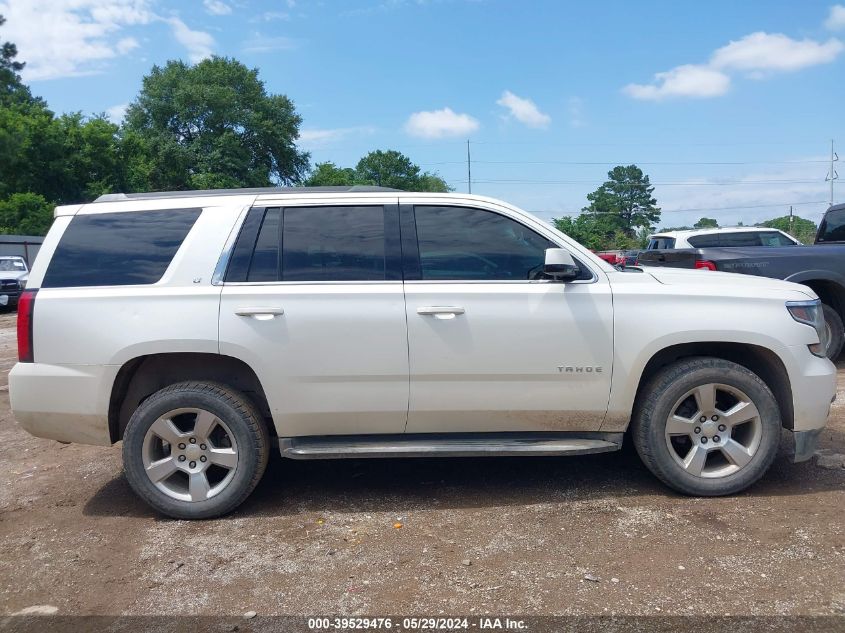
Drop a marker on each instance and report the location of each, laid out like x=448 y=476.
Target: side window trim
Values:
x=411 y=268
x=238 y=267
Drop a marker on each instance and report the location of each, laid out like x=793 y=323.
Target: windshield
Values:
x=12 y=264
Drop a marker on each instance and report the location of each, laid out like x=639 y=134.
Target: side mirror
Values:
x=559 y=264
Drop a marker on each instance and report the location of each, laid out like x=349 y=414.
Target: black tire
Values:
x=836 y=332
x=230 y=407
x=654 y=407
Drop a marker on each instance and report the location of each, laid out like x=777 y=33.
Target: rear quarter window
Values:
x=118 y=249
x=661 y=243
x=705 y=241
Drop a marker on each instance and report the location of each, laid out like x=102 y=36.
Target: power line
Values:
x=832 y=174
x=691 y=210
x=517 y=181
x=623 y=162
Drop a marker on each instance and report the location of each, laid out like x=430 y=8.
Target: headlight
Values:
x=810 y=313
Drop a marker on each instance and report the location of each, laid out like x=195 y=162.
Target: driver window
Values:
x=461 y=243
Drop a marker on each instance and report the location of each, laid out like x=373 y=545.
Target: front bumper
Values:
x=9 y=298
x=804 y=444
x=813 y=389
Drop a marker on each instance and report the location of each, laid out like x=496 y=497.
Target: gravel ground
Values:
x=587 y=535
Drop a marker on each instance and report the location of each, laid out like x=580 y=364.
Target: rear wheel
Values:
x=835 y=333
x=707 y=426
x=195 y=450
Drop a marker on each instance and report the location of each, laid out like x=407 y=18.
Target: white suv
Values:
x=725 y=236
x=204 y=328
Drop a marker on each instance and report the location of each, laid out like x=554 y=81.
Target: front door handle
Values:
x=260 y=313
x=441 y=312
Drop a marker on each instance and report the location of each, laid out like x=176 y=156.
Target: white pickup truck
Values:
x=204 y=328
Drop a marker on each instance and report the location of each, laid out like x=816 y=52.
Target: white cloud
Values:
x=757 y=55
x=524 y=110
x=770 y=52
x=200 y=44
x=576 y=112
x=263 y=44
x=315 y=138
x=682 y=81
x=117 y=112
x=126 y=44
x=67 y=38
x=440 y=123
x=269 y=16
x=836 y=18
x=216 y=7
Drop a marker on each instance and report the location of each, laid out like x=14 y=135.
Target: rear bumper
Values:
x=68 y=403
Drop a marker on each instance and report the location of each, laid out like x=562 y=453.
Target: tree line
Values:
x=207 y=126
x=214 y=125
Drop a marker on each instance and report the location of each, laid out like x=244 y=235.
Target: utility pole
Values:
x=832 y=174
x=791 y=228
x=469 y=171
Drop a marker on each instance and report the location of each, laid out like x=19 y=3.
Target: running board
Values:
x=448 y=445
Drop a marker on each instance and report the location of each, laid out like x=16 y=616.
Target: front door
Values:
x=316 y=308
x=494 y=347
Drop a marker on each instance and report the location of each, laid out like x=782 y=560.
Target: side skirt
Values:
x=448 y=445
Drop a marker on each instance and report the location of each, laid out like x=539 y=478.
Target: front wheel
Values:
x=707 y=427
x=195 y=450
x=835 y=333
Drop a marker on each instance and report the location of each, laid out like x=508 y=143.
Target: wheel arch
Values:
x=829 y=286
x=140 y=377
x=760 y=360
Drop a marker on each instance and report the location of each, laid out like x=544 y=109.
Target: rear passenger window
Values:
x=118 y=249
x=310 y=244
x=333 y=244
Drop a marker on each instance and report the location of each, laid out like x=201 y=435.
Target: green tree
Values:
x=380 y=168
x=211 y=125
x=625 y=198
x=393 y=169
x=599 y=233
x=330 y=175
x=12 y=90
x=800 y=228
x=25 y=214
x=706 y=223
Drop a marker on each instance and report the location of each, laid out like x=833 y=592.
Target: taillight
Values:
x=705 y=264
x=26 y=303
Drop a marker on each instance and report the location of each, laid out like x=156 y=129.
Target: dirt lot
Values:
x=502 y=535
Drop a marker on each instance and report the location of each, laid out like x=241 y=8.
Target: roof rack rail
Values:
x=155 y=195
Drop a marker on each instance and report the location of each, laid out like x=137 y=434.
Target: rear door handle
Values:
x=260 y=313
x=441 y=312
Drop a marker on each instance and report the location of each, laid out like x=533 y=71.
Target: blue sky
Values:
x=728 y=106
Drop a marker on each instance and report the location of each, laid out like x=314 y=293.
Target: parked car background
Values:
x=13 y=276
x=820 y=266
x=727 y=236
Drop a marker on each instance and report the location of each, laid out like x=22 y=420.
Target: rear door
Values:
x=494 y=346
x=313 y=302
